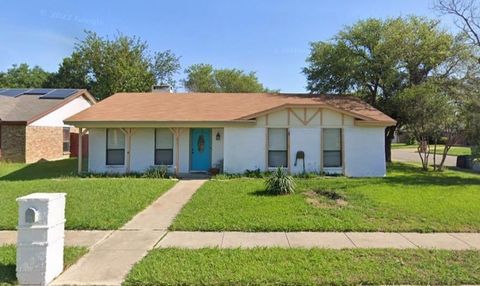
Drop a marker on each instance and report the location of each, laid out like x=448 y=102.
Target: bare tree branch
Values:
x=467 y=14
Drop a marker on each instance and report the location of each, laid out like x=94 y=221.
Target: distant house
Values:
x=31 y=122
x=195 y=132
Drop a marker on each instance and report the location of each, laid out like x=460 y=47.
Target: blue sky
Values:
x=270 y=37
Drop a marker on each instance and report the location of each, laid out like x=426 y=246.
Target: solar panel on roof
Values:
x=39 y=91
x=14 y=91
x=59 y=94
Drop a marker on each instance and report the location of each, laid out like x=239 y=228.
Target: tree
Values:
x=376 y=59
x=165 y=65
x=204 y=78
x=122 y=64
x=467 y=16
x=428 y=111
x=467 y=19
x=72 y=73
x=22 y=76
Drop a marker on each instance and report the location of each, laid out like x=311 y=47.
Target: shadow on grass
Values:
x=261 y=193
x=407 y=174
x=8 y=274
x=43 y=170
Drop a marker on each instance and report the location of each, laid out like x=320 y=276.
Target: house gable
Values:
x=56 y=117
x=304 y=117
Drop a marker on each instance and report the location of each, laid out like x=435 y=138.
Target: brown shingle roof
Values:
x=211 y=107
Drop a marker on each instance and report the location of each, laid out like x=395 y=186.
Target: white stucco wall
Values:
x=364 y=151
x=56 y=117
x=217 y=146
x=244 y=148
x=308 y=141
x=143 y=149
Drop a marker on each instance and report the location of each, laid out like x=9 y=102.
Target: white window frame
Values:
x=341 y=151
x=286 y=150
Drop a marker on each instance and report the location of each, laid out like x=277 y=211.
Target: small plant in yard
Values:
x=156 y=172
x=307 y=175
x=280 y=183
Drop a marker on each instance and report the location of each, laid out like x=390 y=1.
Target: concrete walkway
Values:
x=333 y=240
x=110 y=260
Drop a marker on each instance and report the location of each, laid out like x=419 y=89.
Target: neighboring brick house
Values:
x=31 y=123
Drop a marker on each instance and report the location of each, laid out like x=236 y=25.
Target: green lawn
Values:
x=92 y=203
x=274 y=266
x=8 y=257
x=408 y=199
x=454 y=151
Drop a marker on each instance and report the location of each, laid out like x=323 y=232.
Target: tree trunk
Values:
x=389 y=134
x=435 y=154
x=423 y=151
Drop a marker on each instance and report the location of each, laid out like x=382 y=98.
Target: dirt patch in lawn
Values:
x=325 y=199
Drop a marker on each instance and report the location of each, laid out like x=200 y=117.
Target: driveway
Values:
x=411 y=155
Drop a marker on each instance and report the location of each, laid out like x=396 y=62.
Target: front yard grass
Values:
x=275 y=266
x=92 y=203
x=8 y=261
x=408 y=199
x=454 y=151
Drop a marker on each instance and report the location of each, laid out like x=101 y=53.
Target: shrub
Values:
x=307 y=175
x=256 y=173
x=156 y=172
x=280 y=183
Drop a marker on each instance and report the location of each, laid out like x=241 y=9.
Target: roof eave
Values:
x=150 y=124
x=375 y=123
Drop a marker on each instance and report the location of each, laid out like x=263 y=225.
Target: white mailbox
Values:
x=41 y=225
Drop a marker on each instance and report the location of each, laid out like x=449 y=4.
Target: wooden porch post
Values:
x=79 y=156
x=128 y=134
x=176 y=133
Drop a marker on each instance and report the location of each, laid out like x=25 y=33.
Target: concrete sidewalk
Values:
x=85 y=238
x=110 y=260
x=333 y=240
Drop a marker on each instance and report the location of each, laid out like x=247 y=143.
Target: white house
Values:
x=194 y=132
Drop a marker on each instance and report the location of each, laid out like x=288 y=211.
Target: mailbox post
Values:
x=41 y=224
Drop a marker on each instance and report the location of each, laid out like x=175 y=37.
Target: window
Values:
x=115 y=147
x=277 y=147
x=66 y=140
x=163 y=147
x=332 y=147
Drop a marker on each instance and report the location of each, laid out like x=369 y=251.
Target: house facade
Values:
x=196 y=132
x=31 y=123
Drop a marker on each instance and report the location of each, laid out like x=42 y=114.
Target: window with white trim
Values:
x=277 y=147
x=163 y=146
x=332 y=147
x=115 y=147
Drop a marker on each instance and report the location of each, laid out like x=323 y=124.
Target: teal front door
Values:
x=201 y=149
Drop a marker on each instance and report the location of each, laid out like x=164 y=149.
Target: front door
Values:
x=201 y=149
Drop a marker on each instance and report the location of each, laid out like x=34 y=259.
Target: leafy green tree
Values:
x=467 y=19
x=165 y=66
x=376 y=59
x=204 y=78
x=106 y=66
x=72 y=73
x=429 y=112
x=23 y=76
